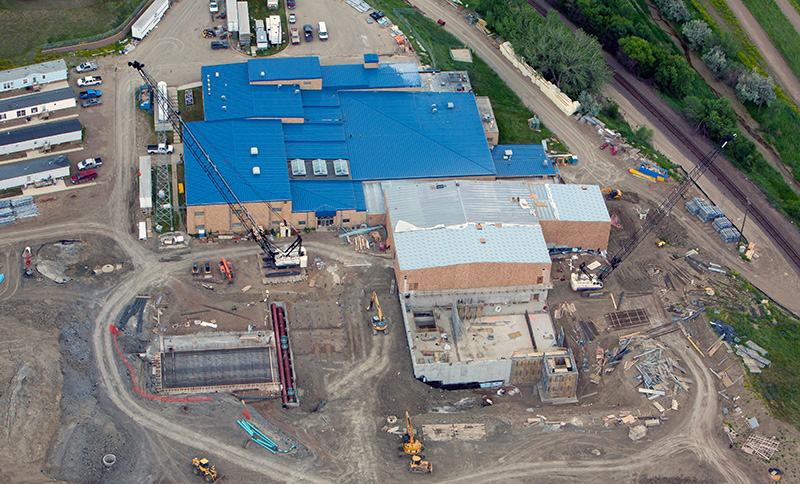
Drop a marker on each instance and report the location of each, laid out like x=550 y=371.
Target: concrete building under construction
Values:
x=472 y=261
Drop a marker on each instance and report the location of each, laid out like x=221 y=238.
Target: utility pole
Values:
x=746 y=210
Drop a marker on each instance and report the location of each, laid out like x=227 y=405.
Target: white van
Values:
x=322 y=30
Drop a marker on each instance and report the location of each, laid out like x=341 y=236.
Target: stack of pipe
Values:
x=259 y=438
x=284 y=358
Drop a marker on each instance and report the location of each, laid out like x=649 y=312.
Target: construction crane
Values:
x=589 y=281
x=379 y=322
x=274 y=256
x=411 y=445
x=202 y=467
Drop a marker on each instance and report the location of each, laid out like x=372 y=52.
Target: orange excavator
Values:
x=226 y=269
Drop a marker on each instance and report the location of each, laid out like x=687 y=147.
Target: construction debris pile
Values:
x=753 y=356
x=761 y=446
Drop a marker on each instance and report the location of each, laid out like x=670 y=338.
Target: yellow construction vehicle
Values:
x=379 y=322
x=420 y=466
x=411 y=445
x=202 y=467
x=612 y=193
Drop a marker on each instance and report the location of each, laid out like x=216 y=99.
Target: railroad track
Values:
x=755 y=212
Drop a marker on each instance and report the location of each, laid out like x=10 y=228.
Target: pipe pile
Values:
x=284 y=358
x=259 y=438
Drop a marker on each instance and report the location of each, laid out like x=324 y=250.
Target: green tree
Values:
x=644 y=133
x=755 y=88
x=715 y=117
x=589 y=105
x=674 y=10
x=716 y=61
x=697 y=33
x=673 y=74
x=640 y=55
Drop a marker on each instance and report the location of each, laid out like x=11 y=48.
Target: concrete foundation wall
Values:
x=474 y=275
x=587 y=235
x=483 y=295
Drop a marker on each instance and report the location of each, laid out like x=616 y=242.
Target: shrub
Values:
x=697 y=34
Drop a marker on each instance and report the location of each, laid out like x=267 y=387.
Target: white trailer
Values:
x=14 y=175
x=261 y=35
x=149 y=19
x=232 y=13
x=162 y=115
x=275 y=30
x=142 y=230
x=244 y=24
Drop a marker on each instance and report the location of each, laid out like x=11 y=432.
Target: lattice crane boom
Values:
x=273 y=253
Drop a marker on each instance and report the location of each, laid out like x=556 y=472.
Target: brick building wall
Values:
x=587 y=235
x=474 y=275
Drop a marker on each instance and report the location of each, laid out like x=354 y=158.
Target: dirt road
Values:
x=776 y=65
x=790 y=13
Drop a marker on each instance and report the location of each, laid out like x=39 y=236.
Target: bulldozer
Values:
x=202 y=467
x=378 y=321
x=612 y=193
x=420 y=466
x=411 y=445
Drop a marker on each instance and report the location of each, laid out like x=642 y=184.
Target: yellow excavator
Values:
x=202 y=467
x=612 y=193
x=411 y=445
x=379 y=322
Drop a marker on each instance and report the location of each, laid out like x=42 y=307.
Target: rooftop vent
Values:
x=483 y=241
x=256 y=170
x=223 y=97
x=479 y=227
x=584 y=187
x=450 y=105
x=216 y=74
x=545 y=163
x=487 y=117
x=224 y=108
x=253 y=150
x=296 y=91
x=263 y=74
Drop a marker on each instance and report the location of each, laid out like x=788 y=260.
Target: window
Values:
x=24 y=81
x=44 y=76
x=199 y=227
x=324 y=221
x=306 y=83
x=276 y=223
x=2 y=115
x=236 y=225
x=20 y=113
x=302 y=222
x=345 y=220
x=8 y=85
x=298 y=167
x=536 y=297
x=340 y=167
x=413 y=286
x=539 y=280
x=199 y=213
x=320 y=168
x=34 y=110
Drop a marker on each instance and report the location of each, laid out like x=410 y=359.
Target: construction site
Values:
x=469 y=312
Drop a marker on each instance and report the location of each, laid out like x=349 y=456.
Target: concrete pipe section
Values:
x=109 y=460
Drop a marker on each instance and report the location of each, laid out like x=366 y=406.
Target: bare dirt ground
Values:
x=776 y=65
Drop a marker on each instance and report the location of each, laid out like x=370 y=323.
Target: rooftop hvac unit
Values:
x=253 y=150
x=508 y=153
x=487 y=117
x=256 y=170
x=216 y=74
x=450 y=105
x=545 y=163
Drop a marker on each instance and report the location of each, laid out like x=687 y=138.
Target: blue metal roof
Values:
x=385 y=76
x=314 y=195
x=283 y=68
x=576 y=203
x=39 y=131
x=319 y=98
x=371 y=58
x=441 y=247
x=396 y=135
x=526 y=160
x=358 y=192
x=229 y=144
x=315 y=140
x=322 y=114
x=228 y=95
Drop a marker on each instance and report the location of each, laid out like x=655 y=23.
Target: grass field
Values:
x=740 y=305
x=780 y=31
x=511 y=114
x=194 y=112
x=20 y=40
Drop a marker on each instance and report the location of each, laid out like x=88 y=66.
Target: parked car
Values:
x=91 y=102
x=90 y=93
x=208 y=33
x=376 y=14
x=295 y=35
x=160 y=149
x=290 y=4
x=89 y=163
x=83 y=176
x=207 y=268
x=87 y=67
x=218 y=44
x=308 y=32
x=440 y=22
x=292 y=18
x=90 y=81
x=213 y=7
x=196 y=269
x=322 y=31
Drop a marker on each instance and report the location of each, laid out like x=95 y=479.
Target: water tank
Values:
x=161 y=96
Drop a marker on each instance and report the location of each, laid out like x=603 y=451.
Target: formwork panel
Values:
x=209 y=368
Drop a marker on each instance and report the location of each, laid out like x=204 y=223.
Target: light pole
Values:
x=746 y=211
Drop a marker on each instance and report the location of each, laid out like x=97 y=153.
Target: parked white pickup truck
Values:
x=160 y=149
x=90 y=81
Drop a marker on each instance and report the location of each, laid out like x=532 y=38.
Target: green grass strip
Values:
x=780 y=31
